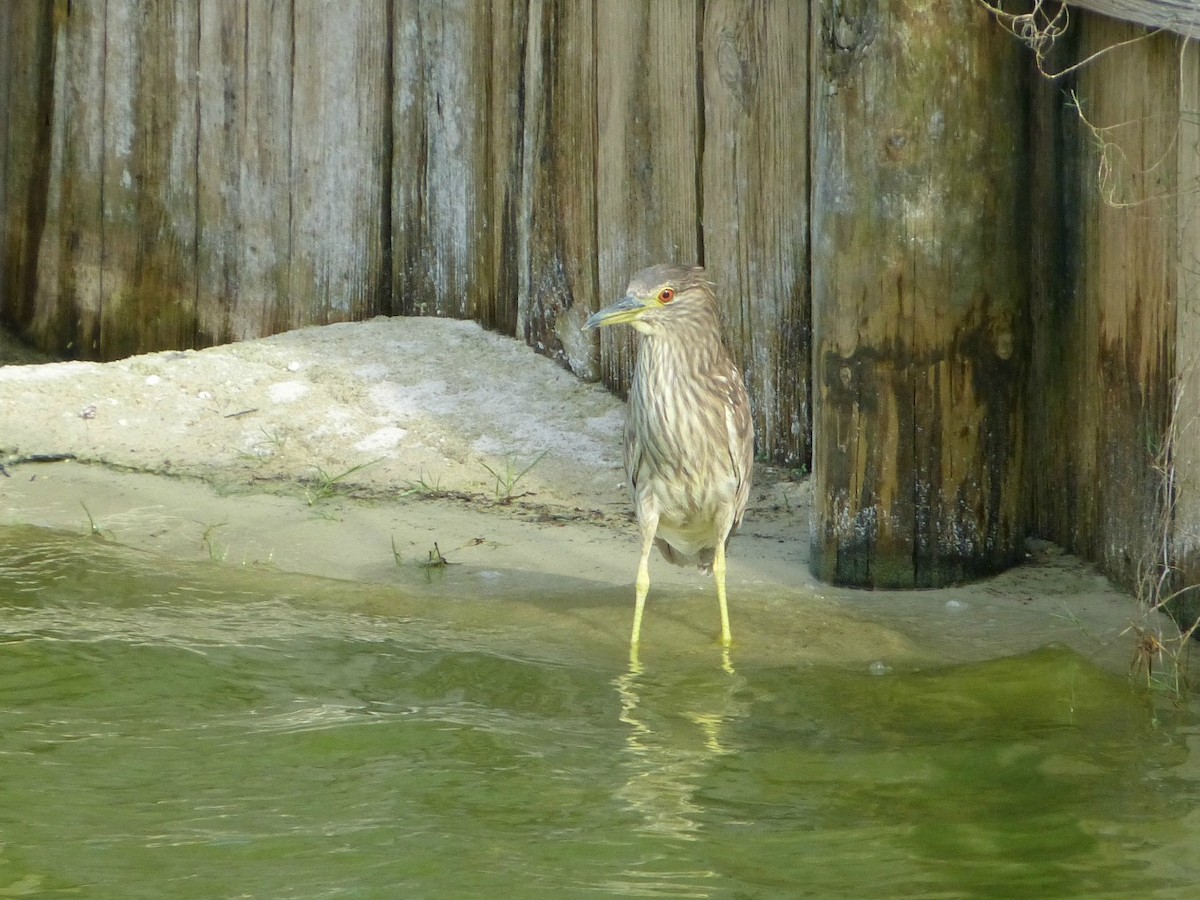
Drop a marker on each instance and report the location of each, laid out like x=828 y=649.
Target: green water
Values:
x=196 y=731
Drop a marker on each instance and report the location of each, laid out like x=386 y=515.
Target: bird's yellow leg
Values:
x=642 y=589
x=649 y=525
x=718 y=570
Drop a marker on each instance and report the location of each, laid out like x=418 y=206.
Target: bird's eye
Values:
x=666 y=295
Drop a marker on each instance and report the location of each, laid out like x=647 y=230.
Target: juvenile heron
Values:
x=689 y=439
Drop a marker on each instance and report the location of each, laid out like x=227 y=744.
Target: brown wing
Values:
x=740 y=426
x=633 y=453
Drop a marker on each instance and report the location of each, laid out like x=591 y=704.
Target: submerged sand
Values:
x=351 y=451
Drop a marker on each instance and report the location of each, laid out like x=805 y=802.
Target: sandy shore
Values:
x=350 y=451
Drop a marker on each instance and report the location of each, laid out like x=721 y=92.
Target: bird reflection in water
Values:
x=678 y=729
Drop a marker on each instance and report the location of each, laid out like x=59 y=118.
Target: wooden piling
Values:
x=919 y=294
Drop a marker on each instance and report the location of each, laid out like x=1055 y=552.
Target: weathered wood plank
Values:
x=1180 y=16
x=755 y=203
x=919 y=295
x=148 y=244
x=558 y=199
x=26 y=84
x=647 y=166
x=70 y=282
x=1185 y=435
x=1053 y=236
x=507 y=103
x=116 y=262
x=1104 y=348
x=341 y=100
x=440 y=168
x=244 y=160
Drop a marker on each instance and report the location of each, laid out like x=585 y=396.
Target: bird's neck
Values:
x=686 y=347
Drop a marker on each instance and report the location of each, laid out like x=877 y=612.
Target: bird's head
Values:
x=657 y=296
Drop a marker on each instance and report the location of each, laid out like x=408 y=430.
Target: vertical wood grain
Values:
x=244 y=177
x=70 y=283
x=116 y=259
x=557 y=222
x=1185 y=523
x=440 y=193
x=26 y=98
x=755 y=202
x=339 y=162
x=647 y=167
x=1103 y=406
x=507 y=104
x=148 y=246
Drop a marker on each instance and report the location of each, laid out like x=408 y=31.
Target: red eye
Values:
x=666 y=295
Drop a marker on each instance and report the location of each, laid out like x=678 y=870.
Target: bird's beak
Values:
x=627 y=309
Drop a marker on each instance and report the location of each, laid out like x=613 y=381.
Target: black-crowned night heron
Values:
x=689 y=438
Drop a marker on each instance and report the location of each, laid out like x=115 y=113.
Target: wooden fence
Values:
x=988 y=296
x=194 y=172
